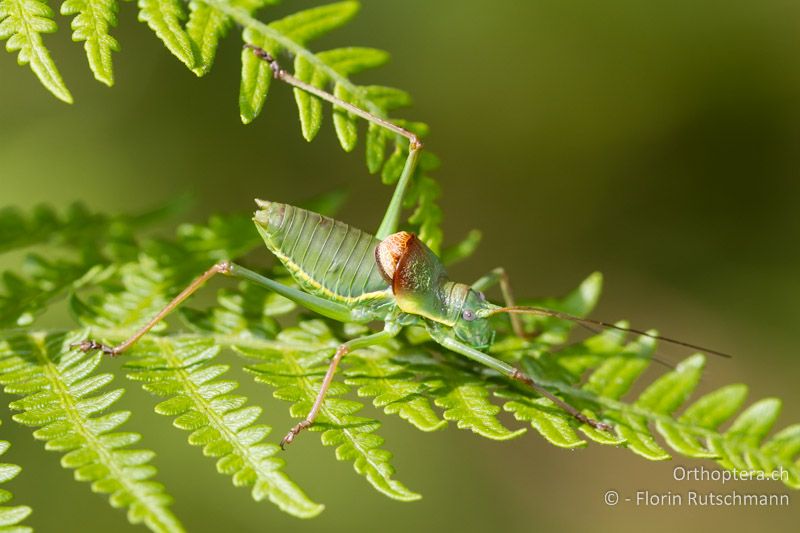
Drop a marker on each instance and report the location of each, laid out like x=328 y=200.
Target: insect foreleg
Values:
x=314 y=303
x=499 y=275
x=509 y=371
x=391 y=219
x=390 y=330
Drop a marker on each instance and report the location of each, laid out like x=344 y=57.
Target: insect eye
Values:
x=468 y=315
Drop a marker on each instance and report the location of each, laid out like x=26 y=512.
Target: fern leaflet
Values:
x=10 y=517
x=164 y=17
x=92 y=22
x=59 y=395
x=23 y=22
x=220 y=422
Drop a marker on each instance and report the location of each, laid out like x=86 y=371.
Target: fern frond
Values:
x=44 y=225
x=165 y=18
x=465 y=399
x=206 y=26
x=461 y=393
x=695 y=433
x=77 y=227
x=42 y=282
x=310 y=107
x=92 y=22
x=222 y=423
x=91 y=242
x=393 y=387
x=61 y=396
x=138 y=292
x=23 y=22
x=297 y=373
x=10 y=517
x=288 y=34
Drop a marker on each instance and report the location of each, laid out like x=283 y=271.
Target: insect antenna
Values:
x=655 y=357
x=520 y=309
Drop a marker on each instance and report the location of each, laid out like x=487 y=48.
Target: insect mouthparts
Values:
x=262 y=203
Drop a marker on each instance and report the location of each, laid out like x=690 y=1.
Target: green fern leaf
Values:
x=95 y=239
x=616 y=374
x=545 y=418
x=309 y=24
x=387 y=97
x=755 y=422
x=465 y=399
x=221 y=422
x=345 y=123
x=352 y=59
x=462 y=250
x=78 y=228
x=91 y=24
x=713 y=409
x=738 y=448
x=42 y=225
x=164 y=17
x=10 y=517
x=256 y=75
x=785 y=444
x=142 y=293
x=61 y=396
x=207 y=25
x=296 y=375
x=468 y=404
x=594 y=375
x=392 y=387
x=43 y=282
x=376 y=147
x=310 y=107
x=23 y=22
x=294 y=31
x=348 y=61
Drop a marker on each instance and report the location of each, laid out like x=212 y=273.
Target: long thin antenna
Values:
x=519 y=309
x=654 y=357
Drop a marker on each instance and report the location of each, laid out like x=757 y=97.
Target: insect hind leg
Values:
x=87 y=345
x=314 y=303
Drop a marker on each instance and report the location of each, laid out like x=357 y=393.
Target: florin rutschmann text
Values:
x=698 y=498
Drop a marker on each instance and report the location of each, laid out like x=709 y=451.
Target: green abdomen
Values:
x=326 y=257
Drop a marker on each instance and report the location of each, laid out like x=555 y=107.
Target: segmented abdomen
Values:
x=326 y=256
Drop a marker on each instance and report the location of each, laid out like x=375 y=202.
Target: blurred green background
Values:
x=656 y=142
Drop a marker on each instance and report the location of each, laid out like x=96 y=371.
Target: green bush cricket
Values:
x=352 y=276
